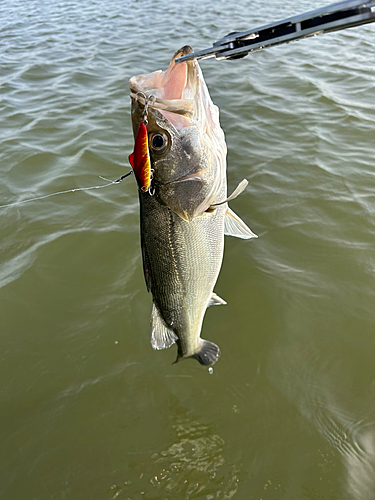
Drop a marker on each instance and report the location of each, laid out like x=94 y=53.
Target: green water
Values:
x=87 y=409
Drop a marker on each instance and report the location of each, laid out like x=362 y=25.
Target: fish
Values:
x=179 y=161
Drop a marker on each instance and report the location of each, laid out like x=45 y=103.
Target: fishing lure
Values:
x=140 y=159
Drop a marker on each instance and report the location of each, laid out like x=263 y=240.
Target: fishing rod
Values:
x=333 y=17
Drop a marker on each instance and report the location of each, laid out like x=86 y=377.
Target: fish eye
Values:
x=158 y=142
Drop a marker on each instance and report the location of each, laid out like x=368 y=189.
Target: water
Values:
x=88 y=410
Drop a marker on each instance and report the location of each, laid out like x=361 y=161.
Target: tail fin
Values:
x=209 y=353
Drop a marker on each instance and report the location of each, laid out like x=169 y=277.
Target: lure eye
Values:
x=158 y=143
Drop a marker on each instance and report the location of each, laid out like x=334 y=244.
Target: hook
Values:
x=150 y=98
x=149 y=101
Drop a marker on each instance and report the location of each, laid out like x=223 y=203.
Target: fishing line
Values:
x=110 y=183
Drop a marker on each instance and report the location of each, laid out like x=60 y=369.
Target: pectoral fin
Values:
x=239 y=189
x=234 y=226
x=162 y=337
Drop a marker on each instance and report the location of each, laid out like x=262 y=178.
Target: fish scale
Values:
x=184 y=263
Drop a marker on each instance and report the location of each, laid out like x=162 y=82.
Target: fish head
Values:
x=186 y=144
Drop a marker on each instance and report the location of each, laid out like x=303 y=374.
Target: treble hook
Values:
x=150 y=98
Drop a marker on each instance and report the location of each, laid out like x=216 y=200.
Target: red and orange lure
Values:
x=140 y=159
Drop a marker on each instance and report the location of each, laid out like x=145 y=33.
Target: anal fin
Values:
x=161 y=337
x=234 y=226
x=216 y=300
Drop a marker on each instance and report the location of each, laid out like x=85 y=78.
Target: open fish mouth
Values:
x=176 y=90
x=189 y=166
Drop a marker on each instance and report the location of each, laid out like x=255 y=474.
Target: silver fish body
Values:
x=185 y=214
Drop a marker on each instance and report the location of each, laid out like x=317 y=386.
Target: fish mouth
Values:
x=190 y=174
x=175 y=90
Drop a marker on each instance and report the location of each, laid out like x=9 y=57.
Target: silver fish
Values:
x=184 y=213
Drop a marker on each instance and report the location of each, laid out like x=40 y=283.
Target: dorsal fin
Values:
x=162 y=337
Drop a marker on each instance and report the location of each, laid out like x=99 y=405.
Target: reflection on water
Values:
x=192 y=466
x=197 y=453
